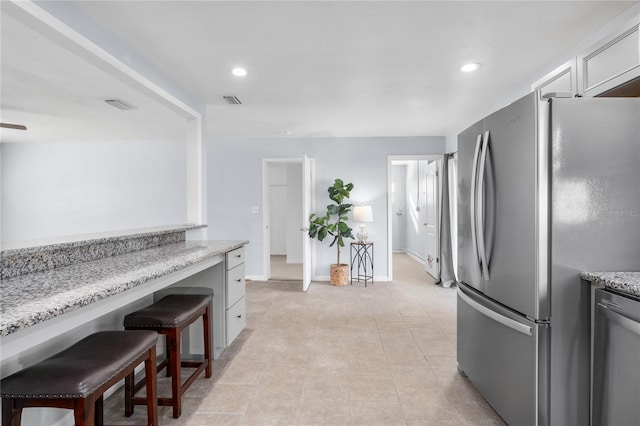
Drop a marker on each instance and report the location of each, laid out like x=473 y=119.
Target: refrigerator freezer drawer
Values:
x=506 y=357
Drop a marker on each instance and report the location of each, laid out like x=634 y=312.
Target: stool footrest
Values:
x=200 y=366
x=170 y=316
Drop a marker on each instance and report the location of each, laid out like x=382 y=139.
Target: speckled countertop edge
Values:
x=33 y=298
x=626 y=282
x=89 y=239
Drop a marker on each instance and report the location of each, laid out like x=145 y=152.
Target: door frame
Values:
x=266 y=238
x=390 y=160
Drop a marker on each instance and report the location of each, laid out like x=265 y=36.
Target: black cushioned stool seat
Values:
x=77 y=377
x=169 y=316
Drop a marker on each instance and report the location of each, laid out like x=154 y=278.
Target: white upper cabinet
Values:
x=561 y=80
x=611 y=62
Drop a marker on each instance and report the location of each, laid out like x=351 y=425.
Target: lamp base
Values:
x=362 y=235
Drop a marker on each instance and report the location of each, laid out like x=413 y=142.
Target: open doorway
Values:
x=285 y=214
x=413 y=210
x=284 y=219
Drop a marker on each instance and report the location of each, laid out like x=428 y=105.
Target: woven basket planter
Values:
x=339 y=274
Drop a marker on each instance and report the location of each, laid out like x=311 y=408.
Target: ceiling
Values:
x=60 y=96
x=350 y=69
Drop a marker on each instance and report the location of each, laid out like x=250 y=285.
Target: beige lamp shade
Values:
x=362 y=214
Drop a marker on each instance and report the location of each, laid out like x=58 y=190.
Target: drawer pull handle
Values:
x=239 y=316
x=239 y=280
x=238 y=256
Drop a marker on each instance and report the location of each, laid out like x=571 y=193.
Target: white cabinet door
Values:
x=236 y=320
x=612 y=62
x=235 y=285
x=561 y=80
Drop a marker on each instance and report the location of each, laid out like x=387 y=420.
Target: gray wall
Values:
x=53 y=189
x=235 y=184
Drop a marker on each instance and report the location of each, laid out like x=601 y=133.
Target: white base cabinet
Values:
x=235 y=286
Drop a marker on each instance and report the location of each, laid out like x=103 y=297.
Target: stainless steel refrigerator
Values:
x=547 y=189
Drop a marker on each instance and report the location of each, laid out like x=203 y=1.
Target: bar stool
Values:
x=169 y=316
x=77 y=377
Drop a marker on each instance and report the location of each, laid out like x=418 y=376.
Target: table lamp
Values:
x=362 y=214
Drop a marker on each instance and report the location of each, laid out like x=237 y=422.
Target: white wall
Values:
x=56 y=189
x=235 y=184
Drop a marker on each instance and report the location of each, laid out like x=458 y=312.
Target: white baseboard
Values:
x=399 y=251
x=375 y=278
x=415 y=257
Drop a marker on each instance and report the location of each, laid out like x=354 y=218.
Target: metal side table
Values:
x=362 y=257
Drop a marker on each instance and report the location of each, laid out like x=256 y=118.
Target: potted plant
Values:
x=334 y=223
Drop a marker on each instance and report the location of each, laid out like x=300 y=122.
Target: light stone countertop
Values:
x=625 y=282
x=50 y=244
x=30 y=299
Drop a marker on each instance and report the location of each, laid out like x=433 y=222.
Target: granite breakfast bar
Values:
x=45 y=311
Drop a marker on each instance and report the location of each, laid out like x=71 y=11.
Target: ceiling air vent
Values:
x=231 y=99
x=120 y=104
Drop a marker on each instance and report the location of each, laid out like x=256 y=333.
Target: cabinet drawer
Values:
x=236 y=320
x=235 y=285
x=235 y=258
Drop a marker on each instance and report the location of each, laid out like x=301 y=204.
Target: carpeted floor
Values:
x=385 y=354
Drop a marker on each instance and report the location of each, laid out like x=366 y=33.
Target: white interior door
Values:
x=278 y=219
x=432 y=260
x=307 y=191
x=398 y=202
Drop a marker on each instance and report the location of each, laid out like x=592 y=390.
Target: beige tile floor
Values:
x=381 y=355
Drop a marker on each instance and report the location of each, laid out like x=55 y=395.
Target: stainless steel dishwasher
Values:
x=616 y=360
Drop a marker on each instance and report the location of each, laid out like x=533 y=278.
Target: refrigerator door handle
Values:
x=474 y=175
x=480 y=208
x=620 y=319
x=508 y=322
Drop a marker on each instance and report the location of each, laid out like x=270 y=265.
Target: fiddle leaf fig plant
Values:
x=334 y=222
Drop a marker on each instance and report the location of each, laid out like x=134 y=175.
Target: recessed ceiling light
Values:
x=470 y=67
x=239 y=72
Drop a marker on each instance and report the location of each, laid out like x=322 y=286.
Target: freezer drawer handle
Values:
x=515 y=325
x=620 y=319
